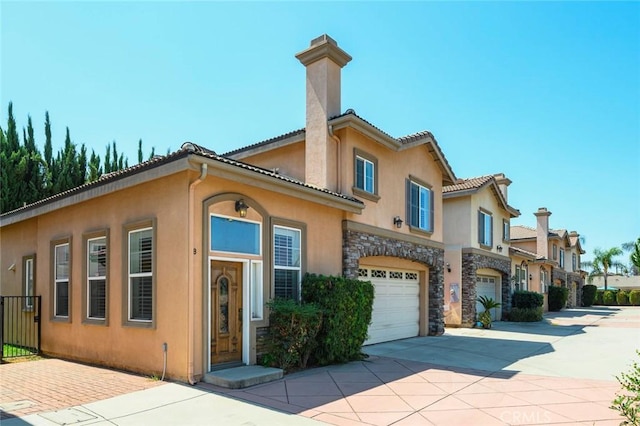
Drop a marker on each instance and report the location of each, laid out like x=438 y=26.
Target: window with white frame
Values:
x=140 y=274
x=256 y=291
x=574 y=262
x=28 y=282
x=286 y=262
x=420 y=205
x=505 y=230
x=485 y=228
x=544 y=280
x=365 y=174
x=555 y=252
x=232 y=235
x=561 y=259
x=62 y=264
x=96 y=278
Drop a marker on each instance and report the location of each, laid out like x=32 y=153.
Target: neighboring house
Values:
x=477 y=244
x=542 y=257
x=181 y=253
x=620 y=282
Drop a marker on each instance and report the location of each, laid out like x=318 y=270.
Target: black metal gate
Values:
x=19 y=325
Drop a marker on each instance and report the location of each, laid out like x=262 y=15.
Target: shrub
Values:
x=557 y=297
x=609 y=297
x=525 y=314
x=293 y=328
x=634 y=297
x=628 y=402
x=346 y=306
x=598 y=300
x=527 y=299
x=622 y=298
x=589 y=294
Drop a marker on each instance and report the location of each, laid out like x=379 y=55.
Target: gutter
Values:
x=190 y=274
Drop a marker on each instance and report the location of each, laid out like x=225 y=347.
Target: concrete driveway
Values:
x=560 y=371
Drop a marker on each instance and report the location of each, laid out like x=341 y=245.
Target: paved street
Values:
x=560 y=371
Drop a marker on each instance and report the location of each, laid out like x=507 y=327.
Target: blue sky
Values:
x=546 y=92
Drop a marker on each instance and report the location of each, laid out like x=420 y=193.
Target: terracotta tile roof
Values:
x=404 y=140
x=466 y=184
x=525 y=253
x=520 y=232
x=186 y=149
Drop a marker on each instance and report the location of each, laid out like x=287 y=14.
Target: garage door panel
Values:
x=486 y=286
x=396 y=306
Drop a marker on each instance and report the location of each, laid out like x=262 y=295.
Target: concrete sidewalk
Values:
x=560 y=371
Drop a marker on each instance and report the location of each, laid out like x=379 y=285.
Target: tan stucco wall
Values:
x=16 y=242
x=457 y=222
x=289 y=160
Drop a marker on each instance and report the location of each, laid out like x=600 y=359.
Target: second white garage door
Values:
x=396 y=306
x=486 y=286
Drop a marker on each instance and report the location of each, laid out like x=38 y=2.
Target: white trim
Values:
x=97 y=278
x=56 y=280
x=140 y=274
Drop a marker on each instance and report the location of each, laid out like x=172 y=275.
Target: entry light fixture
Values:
x=499 y=248
x=397 y=222
x=530 y=277
x=12 y=267
x=448 y=267
x=242 y=207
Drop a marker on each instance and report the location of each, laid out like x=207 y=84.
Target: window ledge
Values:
x=139 y=324
x=419 y=231
x=364 y=194
x=485 y=247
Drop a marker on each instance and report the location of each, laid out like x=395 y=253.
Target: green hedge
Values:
x=293 y=328
x=598 y=300
x=557 y=297
x=634 y=297
x=589 y=294
x=622 y=298
x=525 y=314
x=347 y=305
x=527 y=299
x=609 y=297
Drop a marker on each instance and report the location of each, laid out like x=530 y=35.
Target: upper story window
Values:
x=28 y=289
x=561 y=260
x=505 y=230
x=140 y=274
x=544 y=280
x=235 y=235
x=555 y=252
x=574 y=262
x=365 y=175
x=96 y=291
x=62 y=266
x=485 y=228
x=287 y=265
x=420 y=206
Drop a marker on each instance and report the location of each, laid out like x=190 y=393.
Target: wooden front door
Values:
x=226 y=312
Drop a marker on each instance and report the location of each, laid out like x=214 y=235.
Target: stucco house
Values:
x=177 y=256
x=477 y=245
x=543 y=256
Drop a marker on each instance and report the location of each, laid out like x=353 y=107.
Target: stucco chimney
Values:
x=542 y=232
x=503 y=183
x=324 y=61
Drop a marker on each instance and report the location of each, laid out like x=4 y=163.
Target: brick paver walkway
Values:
x=51 y=384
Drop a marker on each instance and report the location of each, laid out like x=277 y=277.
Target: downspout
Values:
x=191 y=274
x=339 y=159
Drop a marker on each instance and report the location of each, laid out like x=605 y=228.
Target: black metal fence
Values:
x=19 y=325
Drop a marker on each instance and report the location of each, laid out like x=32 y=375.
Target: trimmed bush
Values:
x=634 y=297
x=589 y=294
x=622 y=298
x=557 y=297
x=609 y=297
x=525 y=314
x=599 y=296
x=527 y=299
x=293 y=328
x=347 y=305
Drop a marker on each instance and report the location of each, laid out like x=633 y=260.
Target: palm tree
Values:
x=634 y=248
x=602 y=261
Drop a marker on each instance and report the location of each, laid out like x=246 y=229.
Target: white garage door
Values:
x=486 y=286
x=396 y=306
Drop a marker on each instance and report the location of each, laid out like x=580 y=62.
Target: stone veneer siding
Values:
x=471 y=262
x=361 y=244
x=567 y=278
